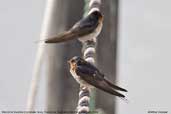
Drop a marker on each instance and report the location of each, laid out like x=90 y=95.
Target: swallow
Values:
x=88 y=75
x=87 y=28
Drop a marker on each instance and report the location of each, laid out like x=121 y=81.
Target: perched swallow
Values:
x=89 y=76
x=85 y=29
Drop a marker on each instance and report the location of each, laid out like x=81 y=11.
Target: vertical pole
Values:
x=52 y=17
x=54 y=53
x=34 y=86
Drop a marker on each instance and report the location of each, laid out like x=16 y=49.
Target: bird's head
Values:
x=97 y=15
x=75 y=61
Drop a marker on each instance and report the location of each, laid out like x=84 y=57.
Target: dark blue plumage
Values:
x=91 y=75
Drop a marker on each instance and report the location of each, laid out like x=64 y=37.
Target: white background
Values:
x=144 y=55
x=20 y=26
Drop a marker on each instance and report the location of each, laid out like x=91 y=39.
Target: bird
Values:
x=87 y=75
x=85 y=29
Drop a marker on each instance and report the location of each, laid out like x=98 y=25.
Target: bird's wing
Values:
x=93 y=78
x=81 y=28
x=85 y=26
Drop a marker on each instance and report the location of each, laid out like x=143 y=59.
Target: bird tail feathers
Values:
x=105 y=87
x=114 y=86
x=61 y=37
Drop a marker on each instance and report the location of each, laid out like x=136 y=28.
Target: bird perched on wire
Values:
x=87 y=28
x=87 y=75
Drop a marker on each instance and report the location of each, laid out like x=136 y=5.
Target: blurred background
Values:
x=133 y=51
